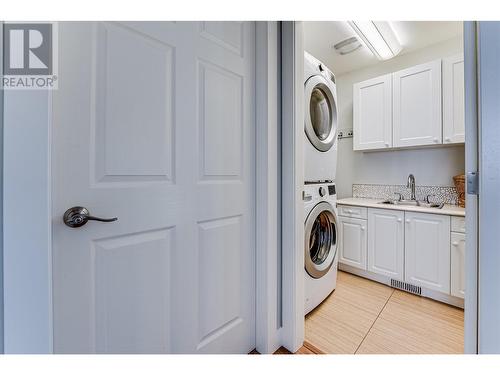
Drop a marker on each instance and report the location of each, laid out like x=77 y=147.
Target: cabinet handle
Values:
x=387 y=145
x=362 y=228
x=454 y=243
x=400 y=220
x=435 y=140
x=447 y=139
x=407 y=221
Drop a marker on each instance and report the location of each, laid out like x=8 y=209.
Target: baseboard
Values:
x=427 y=293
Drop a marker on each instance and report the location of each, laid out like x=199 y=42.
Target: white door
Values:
x=153 y=123
x=458 y=264
x=427 y=251
x=417 y=105
x=372 y=113
x=453 y=100
x=386 y=243
x=352 y=242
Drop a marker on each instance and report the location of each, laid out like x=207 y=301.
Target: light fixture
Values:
x=379 y=37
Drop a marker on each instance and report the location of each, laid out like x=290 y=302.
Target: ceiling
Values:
x=319 y=38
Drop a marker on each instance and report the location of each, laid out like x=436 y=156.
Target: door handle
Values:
x=77 y=216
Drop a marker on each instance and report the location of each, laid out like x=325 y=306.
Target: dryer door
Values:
x=320 y=239
x=320 y=113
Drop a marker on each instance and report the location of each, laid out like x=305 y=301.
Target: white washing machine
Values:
x=320 y=247
x=320 y=121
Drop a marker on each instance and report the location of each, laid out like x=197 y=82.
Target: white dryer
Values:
x=320 y=247
x=320 y=121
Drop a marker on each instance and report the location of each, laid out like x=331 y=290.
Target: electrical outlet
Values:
x=344 y=134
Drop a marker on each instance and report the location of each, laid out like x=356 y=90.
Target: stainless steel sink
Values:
x=396 y=202
x=431 y=205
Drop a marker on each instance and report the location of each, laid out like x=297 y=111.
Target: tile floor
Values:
x=365 y=317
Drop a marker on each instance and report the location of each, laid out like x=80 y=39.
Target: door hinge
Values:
x=473 y=183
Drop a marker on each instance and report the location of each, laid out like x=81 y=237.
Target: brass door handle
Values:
x=77 y=216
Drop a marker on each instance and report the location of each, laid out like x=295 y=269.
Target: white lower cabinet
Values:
x=386 y=243
x=427 y=251
x=458 y=264
x=352 y=242
x=422 y=249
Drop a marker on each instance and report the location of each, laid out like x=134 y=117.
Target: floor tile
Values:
x=416 y=325
x=341 y=322
x=362 y=316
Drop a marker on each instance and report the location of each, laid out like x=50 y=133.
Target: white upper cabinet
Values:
x=386 y=243
x=372 y=113
x=427 y=251
x=417 y=105
x=453 y=100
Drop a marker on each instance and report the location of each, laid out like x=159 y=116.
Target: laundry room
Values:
x=384 y=192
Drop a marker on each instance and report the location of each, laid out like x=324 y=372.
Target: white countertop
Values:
x=447 y=209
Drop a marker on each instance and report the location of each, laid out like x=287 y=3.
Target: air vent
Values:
x=347 y=46
x=406 y=287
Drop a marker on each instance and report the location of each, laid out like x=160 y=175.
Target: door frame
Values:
x=1 y=193
x=471 y=165
x=292 y=50
x=487 y=39
x=293 y=264
x=28 y=231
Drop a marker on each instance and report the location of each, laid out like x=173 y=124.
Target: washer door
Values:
x=321 y=113
x=320 y=239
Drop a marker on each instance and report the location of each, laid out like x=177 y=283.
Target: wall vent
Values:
x=407 y=287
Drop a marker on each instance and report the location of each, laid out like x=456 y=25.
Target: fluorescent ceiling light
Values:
x=379 y=37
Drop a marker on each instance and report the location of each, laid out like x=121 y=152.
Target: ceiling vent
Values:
x=347 y=46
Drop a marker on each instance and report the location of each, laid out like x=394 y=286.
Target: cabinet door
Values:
x=386 y=243
x=417 y=105
x=353 y=242
x=372 y=113
x=427 y=251
x=453 y=100
x=458 y=264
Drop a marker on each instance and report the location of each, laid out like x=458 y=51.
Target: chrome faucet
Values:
x=411 y=185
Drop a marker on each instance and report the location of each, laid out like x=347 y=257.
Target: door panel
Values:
x=427 y=251
x=386 y=243
x=132 y=290
x=453 y=100
x=372 y=113
x=458 y=264
x=220 y=122
x=119 y=108
x=352 y=242
x=157 y=128
x=417 y=105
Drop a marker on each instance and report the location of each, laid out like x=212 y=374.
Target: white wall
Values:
x=27 y=246
x=431 y=166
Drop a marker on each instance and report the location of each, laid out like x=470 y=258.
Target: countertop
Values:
x=447 y=209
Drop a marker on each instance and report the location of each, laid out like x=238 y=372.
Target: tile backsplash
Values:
x=442 y=194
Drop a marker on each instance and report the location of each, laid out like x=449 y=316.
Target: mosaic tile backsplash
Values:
x=442 y=194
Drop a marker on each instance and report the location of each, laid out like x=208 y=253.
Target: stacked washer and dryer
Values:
x=320 y=146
